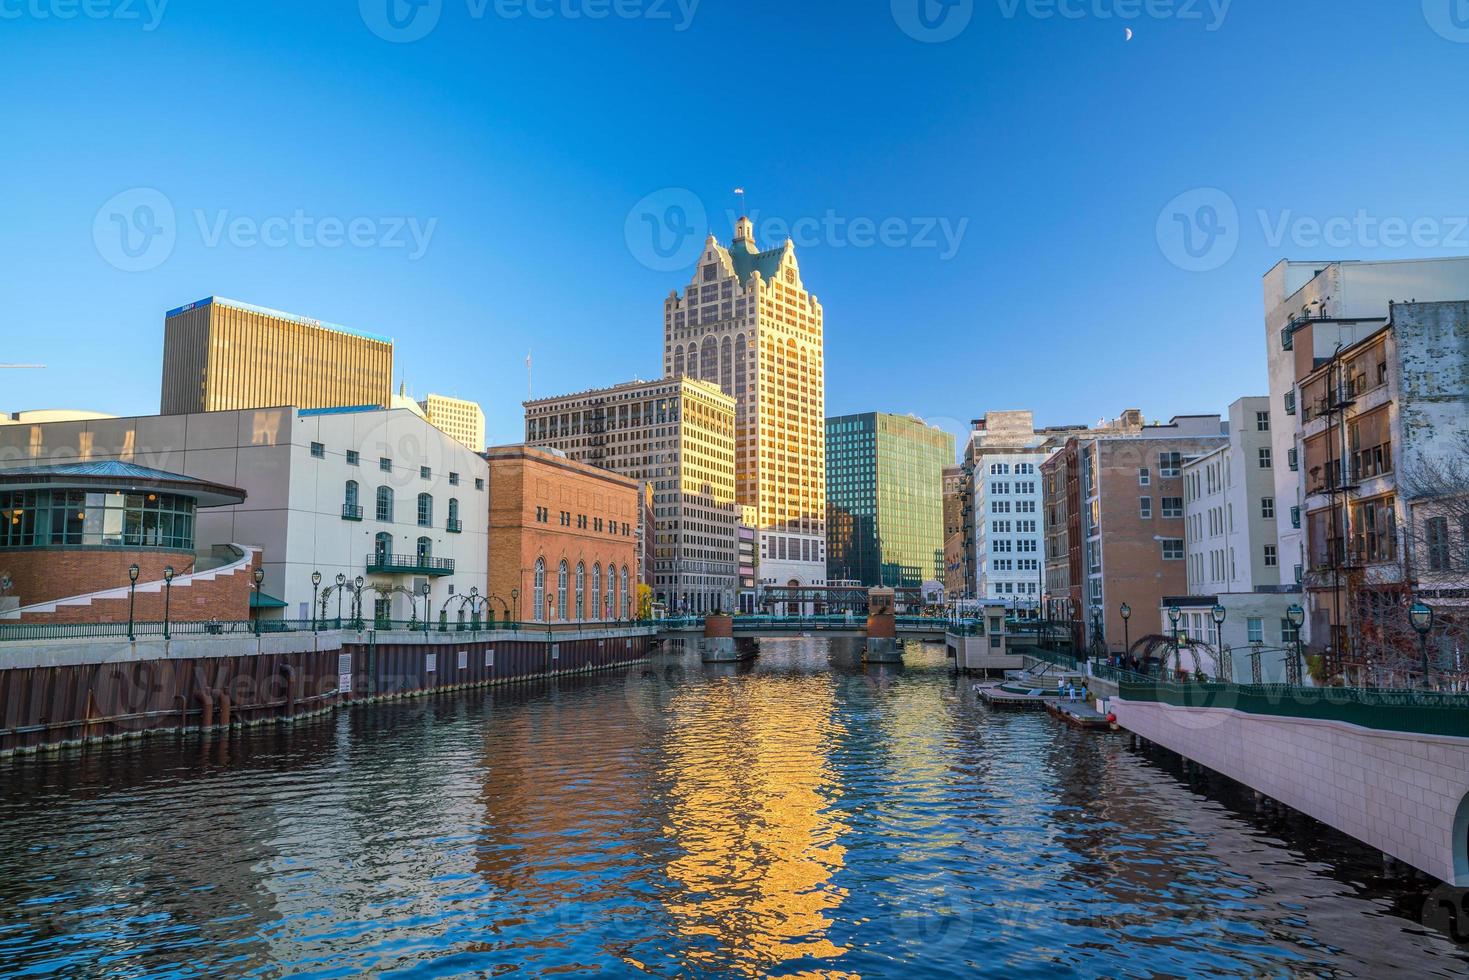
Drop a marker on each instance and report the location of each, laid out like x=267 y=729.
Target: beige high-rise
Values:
x=676 y=434
x=221 y=355
x=457 y=418
x=747 y=323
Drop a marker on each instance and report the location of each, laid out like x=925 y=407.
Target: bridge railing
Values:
x=1382 y=709
x=838 y=621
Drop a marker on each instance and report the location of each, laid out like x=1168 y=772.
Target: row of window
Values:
x=385 y=463
x=352 y=506
x=612 y=602
x=60 y=518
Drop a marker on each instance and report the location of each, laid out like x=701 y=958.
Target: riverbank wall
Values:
x=68 y=692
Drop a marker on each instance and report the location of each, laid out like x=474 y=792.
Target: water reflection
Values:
x=802 y=816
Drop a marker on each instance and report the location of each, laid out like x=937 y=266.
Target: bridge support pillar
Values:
x=718 y=645
x=883 y=645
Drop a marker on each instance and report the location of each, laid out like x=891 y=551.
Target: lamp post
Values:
x=1218 y=614
x=1420 y=614
x=132 y=596
x=1098 y=631
x=426 y=607
x=1297 y=617
x=1126 y=611
x=514 y=606
x=167 y=595
x=1174 y=613
x=357 y=604
x=341 y=587
x=315 y=588
x=259 y=577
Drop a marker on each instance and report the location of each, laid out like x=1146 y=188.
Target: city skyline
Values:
x=1060 y=230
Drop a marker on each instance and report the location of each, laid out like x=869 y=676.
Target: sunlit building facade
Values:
x=747 y=323
x=457 y=418
x=885 y=519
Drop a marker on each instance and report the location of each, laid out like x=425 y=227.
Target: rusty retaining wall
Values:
x=55 y=694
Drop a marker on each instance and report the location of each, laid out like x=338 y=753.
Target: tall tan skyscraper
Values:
x=747 y=323
x=457 y=418
x=219 y=355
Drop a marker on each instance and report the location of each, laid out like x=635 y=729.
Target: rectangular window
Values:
x=1145 y=508
x=1262 y=421
x=1436 y=531
x=1169 y=464
x=1255 y=629
x=1293 y=457
x=424 y=473
x=1172 y=549
x=1172 y=506
x=385 y=464
x=1264 y=457
x=1267 y=508
x=1144 y=477
x=352 y=458
x=479 y=484
x=1270 y=560
x=1290 y=403
x=1288 y=632
x=318 y=451
x=453 y=479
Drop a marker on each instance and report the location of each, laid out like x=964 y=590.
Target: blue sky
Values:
x=494 y=173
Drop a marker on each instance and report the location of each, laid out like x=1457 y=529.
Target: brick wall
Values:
x=70 y=573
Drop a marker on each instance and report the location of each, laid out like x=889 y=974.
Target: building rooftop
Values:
x=117 y=475
x=279 y=314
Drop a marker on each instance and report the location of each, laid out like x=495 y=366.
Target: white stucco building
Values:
x=375 y=493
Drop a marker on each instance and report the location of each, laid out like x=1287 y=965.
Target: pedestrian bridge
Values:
x=909 y=627
x=1390 y=768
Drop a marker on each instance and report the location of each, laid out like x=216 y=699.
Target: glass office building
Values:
x=885 y=513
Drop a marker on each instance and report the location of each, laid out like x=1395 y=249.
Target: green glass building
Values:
x=884 y=499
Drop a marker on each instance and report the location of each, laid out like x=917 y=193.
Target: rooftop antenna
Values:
x=740 y=193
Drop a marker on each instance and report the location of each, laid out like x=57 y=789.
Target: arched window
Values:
x=453 y=512
x=726 y=367
x=678 y=361
x=581 y=592
x=597 y=591
x=385 y=504
x=540 y=602
x=425 y=549
x=349 y=496
x=561 y=591
x=626 y=598
x=382 y=545
x=425 y=510
x=709 y=361
x=612 y=593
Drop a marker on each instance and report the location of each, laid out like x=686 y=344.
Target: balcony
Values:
x=351 y=512
x=454 y=526
x=380 y=563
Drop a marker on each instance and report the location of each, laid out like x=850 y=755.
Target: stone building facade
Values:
x=747 y=323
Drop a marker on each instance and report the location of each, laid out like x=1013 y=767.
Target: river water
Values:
x=804 y=816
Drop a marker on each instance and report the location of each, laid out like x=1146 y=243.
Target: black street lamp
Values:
x=132 y=596
x=1297 y=617
x=167 y=595
x=1126 y=612
x=1219 y=614
x=1174 y=614
x=427 y=606
x=515 y=607
x=357 y=604
x=341 y=587
x=315 y=587
x=1420 y=614
x=259 y=577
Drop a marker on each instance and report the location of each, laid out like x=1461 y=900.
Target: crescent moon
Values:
x=1129 y=33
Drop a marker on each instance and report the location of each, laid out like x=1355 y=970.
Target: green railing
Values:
x=839 y=621
x=1382 y=709
x=154 y=630
x=1061 y=657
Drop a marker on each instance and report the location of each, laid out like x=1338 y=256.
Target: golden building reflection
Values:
x=750 y=811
